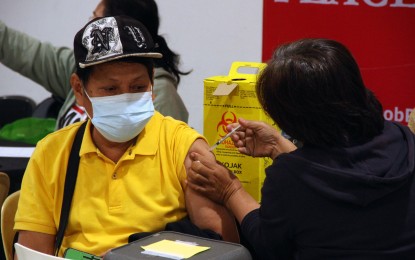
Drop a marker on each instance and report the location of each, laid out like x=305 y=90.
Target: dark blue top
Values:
x=342 y=203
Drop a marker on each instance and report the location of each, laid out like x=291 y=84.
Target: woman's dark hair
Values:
x=85 y=73
x=314 y=91
x=146 y=11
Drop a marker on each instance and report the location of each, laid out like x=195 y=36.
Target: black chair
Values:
x=15 y=107
x=48 y=108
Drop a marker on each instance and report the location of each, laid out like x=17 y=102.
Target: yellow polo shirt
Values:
x=140 y=193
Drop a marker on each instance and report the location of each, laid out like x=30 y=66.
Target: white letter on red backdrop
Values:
x=321 y=2
x=380 y=4
x=351 y=2
x=399 y=3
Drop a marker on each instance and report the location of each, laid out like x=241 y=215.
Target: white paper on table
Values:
x=16 y=152
x=25 y=253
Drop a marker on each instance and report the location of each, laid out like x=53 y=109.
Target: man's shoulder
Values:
x=168 y=127
x=62 y=135
x=162 y=120
x=171 y=123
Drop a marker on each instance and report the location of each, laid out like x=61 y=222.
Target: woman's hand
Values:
x=258 y=139
x=216 y=182
x=212 y=179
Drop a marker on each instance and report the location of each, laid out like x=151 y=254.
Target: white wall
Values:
x=55 y=21
x=209 y=36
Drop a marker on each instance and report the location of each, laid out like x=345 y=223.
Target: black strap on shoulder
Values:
x=70 y=181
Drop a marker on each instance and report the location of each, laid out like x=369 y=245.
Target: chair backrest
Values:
x=4 y=187
x=48 y=108
x=8 y=211
x=15 y=107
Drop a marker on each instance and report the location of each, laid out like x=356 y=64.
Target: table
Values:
x=13 y=165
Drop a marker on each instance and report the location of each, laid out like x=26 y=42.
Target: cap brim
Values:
x=154 y=55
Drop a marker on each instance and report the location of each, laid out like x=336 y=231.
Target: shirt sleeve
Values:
x=35 y=208
x=41 y=62
x=183 y=138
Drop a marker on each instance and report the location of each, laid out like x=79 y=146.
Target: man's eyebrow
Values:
x=138 y=78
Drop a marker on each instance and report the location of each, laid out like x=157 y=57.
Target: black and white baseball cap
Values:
x=111 y=38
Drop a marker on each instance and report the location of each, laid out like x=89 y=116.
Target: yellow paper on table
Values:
x=173 y=249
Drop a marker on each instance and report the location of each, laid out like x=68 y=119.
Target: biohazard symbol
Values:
x=227 y=118
x=101 y=39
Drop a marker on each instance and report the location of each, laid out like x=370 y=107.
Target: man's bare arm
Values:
x=205 y=213
x=37 y=241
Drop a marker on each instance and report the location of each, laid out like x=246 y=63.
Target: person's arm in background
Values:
x=43 y=63
x=167 y=100
x=203 y=212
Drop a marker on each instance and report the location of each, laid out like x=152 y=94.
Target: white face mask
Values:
x=120 y=118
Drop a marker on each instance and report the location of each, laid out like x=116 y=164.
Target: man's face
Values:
x=115 y=78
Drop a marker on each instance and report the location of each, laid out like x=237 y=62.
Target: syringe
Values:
x=224 y=138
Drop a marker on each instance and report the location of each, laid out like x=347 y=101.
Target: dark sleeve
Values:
x=250 y=232
x=268 y=229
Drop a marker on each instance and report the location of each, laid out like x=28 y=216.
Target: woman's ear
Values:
x=77 y=87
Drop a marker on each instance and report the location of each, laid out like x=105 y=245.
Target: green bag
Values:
x=28 y=130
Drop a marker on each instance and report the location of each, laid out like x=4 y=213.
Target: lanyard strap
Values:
x=70 y=181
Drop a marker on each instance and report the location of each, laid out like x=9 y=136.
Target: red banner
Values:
x=380 y=34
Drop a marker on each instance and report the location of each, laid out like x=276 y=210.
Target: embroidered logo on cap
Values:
x=137 y=36
x=102 y=39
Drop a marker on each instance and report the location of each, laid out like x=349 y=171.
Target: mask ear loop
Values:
x=89 y=98
x=152 y=93
x=83 y=88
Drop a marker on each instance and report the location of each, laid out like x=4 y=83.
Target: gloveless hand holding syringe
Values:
x=224 y=138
